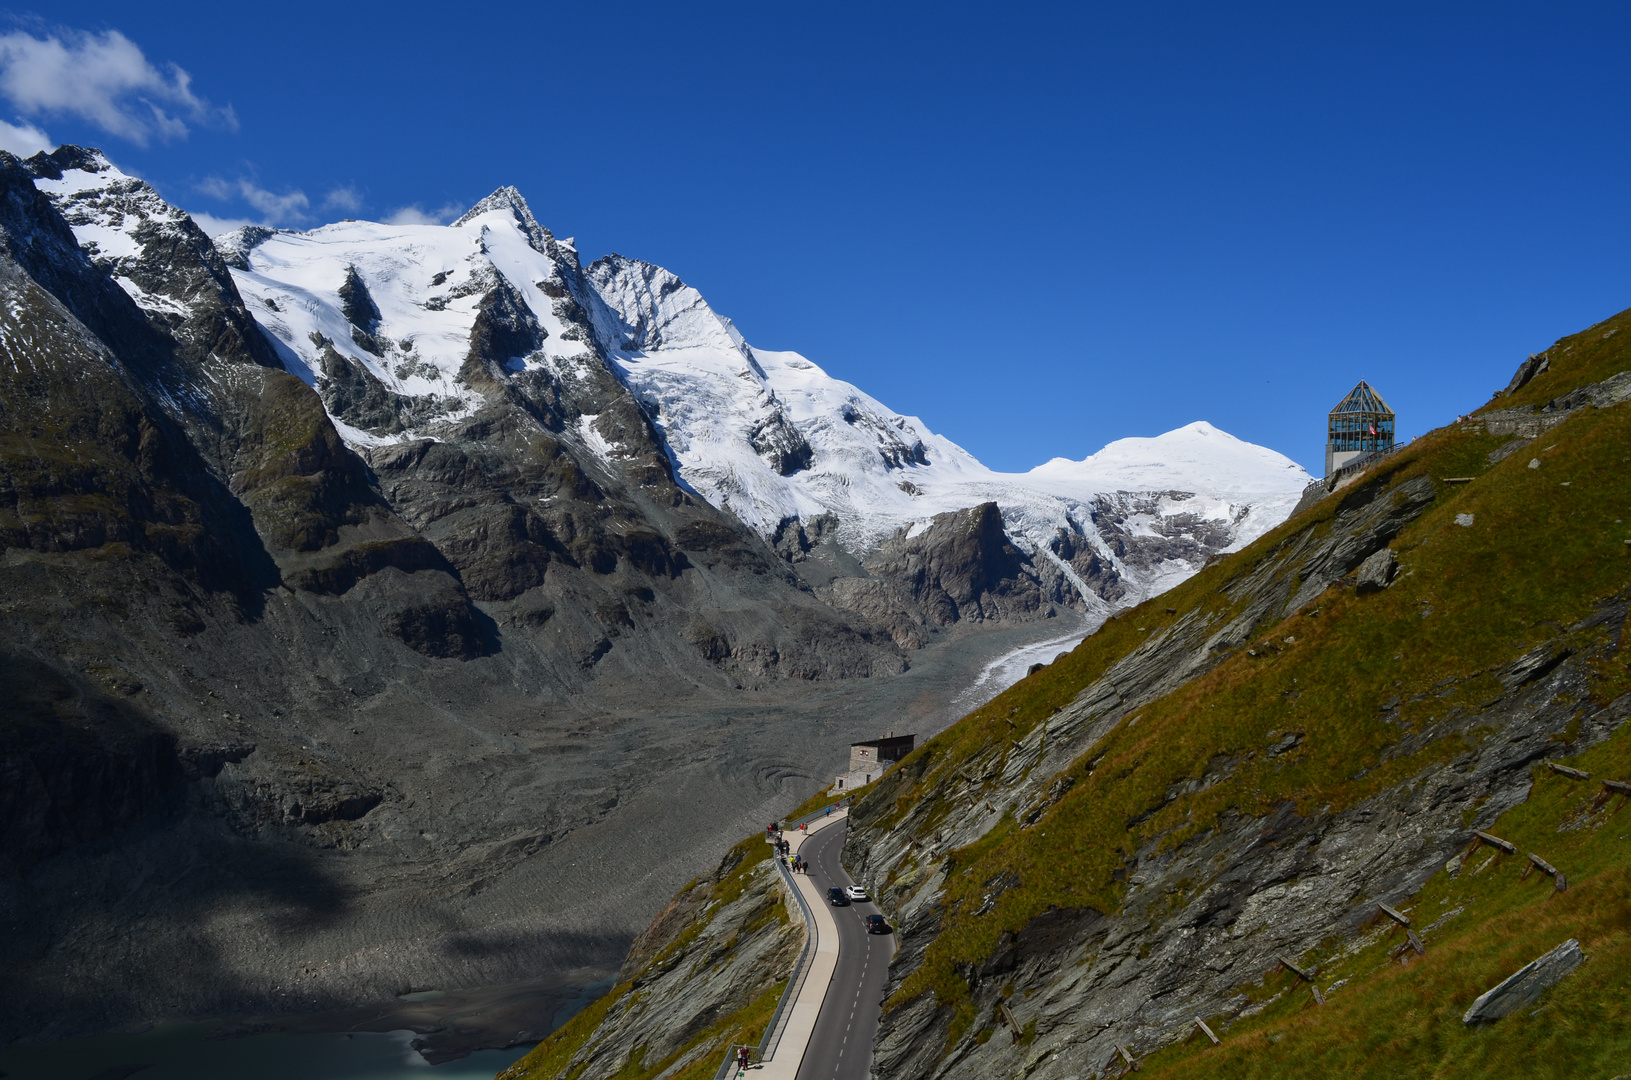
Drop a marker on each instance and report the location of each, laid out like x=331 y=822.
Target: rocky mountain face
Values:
x=962 y=568
x=806 y=459
x=1198 y=812
x=362 y=586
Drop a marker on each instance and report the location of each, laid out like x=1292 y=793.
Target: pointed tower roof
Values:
x=1362 y=399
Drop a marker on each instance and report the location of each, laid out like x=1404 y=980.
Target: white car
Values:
x=855 y=892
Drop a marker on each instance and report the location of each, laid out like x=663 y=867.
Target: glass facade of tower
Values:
x=1361 y=424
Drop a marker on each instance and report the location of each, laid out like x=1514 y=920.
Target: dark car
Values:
x=875 y=924
x=836 y=896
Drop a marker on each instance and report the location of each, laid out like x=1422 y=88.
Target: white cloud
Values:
x=104 y=79
x=416 y=215
x=287 y=208
x=24 y=140
x=290 y=205
x=215 y=226
x=346 y=198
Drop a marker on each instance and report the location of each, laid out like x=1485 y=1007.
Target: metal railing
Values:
x=801 y=967
x=1360 y=464
x=1319 y=488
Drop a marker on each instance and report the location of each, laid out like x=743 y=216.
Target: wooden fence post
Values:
x=1008 y=1018
x=1504 y=845
x=1305 y=976
x=1548 y=868
x=1396 y=916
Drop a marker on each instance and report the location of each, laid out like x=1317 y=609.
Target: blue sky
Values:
x=1038 y=227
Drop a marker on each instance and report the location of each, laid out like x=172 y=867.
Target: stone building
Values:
x=1360 y=424
x=869 y=760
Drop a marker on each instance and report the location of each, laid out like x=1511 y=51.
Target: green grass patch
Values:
x=550 y=1058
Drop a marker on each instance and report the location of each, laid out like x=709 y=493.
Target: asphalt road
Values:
x=841 y=1046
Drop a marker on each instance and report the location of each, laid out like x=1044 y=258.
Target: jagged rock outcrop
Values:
x=963 y=568
x=1253 y=888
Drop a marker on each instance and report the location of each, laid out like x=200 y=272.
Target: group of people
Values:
x=794 y=863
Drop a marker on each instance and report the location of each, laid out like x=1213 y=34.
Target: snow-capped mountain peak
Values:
x=105 y=207
x=507 y=201
x=408 y=329
x=844 y=453
x=1195 y=456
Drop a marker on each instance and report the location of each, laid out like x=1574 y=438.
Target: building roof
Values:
x=885 y=741
x=1361 y=399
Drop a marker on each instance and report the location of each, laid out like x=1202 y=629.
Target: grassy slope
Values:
x=551 y=1058
x=1538 y=559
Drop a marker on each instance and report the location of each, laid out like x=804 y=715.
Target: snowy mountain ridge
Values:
x=380 y=319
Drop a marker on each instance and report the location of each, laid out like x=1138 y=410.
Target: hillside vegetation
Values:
x=1247 y=764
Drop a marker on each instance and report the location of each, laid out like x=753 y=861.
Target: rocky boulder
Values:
x=1523 y=987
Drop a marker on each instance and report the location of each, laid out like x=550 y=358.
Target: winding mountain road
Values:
x=840 y=1047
